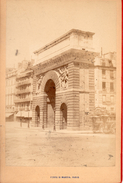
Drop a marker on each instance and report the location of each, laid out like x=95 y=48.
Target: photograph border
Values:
x=43 y=174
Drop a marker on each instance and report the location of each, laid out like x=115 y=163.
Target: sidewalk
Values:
x=16 y=125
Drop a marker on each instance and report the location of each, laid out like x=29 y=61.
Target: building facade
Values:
x=23 y=92
x=105 y=92
x=63 y=83
x=10 y=92
x=69 y=86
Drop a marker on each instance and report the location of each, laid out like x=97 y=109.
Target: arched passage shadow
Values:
x=37 y=116
x=63 y=111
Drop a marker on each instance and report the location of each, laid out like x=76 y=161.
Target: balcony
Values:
x=26 y=114
x=22 y=109
x=27 y=90
x=17 y=100
x=25 y=82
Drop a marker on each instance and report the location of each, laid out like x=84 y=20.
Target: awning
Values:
x=18 y=114
x=22 y=113
x=9 y=114
x=26 y=114
x=30 y=114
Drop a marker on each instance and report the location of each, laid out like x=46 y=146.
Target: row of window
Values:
x=111 y=86
x=108 y=98
x=10 y=90
x=10 y=100
x=111 y=74
x=23 y=79
x=10 y=81
x=24 y=106
x=25 y=87
x=23 y=96
x=107 y=63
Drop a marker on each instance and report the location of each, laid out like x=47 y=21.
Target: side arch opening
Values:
x=37 y=116
x=63 y=116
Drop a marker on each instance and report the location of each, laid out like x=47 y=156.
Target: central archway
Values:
x=51 y=82
x=50 y=91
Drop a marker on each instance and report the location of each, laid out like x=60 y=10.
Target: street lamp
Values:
x=54 y=118
x=20 y=118
x=28 y=118
x=43 y=120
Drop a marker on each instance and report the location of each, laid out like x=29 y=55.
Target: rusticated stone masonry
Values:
x=74 y=87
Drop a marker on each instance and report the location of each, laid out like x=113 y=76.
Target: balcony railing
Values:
x=27 y=90
x=27 y=81
x=22 y=108
x=17 y=100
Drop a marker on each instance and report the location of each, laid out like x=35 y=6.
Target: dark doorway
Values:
x=63 y=109
x=50 y=104
x=37 y=116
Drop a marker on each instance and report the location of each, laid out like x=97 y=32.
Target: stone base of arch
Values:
x=79 y=100
x=70 y=98
x=37 y=101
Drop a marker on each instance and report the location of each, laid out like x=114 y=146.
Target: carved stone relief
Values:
x=38 y=85
x=63 y=76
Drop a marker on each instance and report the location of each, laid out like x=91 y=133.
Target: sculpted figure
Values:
x=38 y=86
x=63 y=75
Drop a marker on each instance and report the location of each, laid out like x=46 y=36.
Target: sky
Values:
x=31 y=24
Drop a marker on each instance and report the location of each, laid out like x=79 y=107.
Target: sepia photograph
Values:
x=60 y=98
x=61 y=83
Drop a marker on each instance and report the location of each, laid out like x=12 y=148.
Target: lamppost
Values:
x=54 y=118
x=20 y=118
x=43 y=120
x=28 y=118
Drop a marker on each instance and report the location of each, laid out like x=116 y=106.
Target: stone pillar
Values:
x=73 y=97
x=73 y=111
x=41 y=118
x=57 y=110
x=37 y=101
x=44 y=108
x=57 y=119
x=33 y=114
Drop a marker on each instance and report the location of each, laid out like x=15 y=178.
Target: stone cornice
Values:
x=105 y=67
x=72 y=55
x=61 y=38
x=65 y=91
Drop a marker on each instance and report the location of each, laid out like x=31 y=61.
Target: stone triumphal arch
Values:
x=63 y=82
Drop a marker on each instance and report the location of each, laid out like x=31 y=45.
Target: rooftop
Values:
x=61 y=38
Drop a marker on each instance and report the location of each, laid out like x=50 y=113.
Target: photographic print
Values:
x=60 y=98
x=62 y=84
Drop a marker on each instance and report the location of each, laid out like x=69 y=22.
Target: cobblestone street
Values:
x=34 y=147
